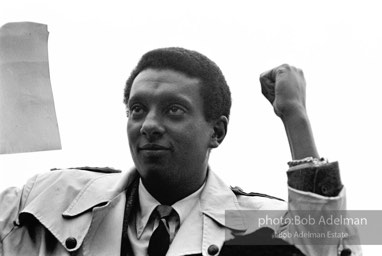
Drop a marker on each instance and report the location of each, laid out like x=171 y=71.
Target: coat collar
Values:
x=92 y=195
x=216 y=199
x=72 y=217
x=65 y=205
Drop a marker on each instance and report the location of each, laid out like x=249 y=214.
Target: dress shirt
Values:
x=143 y=224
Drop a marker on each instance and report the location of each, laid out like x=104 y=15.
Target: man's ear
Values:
x=220 y=130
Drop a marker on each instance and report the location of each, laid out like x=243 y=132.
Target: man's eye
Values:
x=136 y=110
x=176 y=110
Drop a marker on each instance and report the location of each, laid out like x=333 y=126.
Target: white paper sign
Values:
x=27 y=115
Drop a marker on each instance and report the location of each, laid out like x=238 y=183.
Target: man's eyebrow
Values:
x=135 y=98
x=177 y=98
x=165 y=97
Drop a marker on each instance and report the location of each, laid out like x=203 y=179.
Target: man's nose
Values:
x=152 y=126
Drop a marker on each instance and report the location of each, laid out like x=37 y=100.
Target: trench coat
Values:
x=79 y=212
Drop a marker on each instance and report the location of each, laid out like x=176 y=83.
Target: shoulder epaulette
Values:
x=239 y=191
x=92 y=169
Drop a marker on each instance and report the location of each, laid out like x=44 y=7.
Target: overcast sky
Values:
x=93 y=46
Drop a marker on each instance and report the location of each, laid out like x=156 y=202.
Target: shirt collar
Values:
x=147 y=204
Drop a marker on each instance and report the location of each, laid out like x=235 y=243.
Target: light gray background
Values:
x=93 y=46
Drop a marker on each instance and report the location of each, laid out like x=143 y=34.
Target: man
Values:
x=178 y=106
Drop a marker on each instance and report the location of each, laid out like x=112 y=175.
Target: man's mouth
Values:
x=152 y=147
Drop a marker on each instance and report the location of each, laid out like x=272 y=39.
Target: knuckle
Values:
x=282 y=69
x=264 y=76
x=286 y=66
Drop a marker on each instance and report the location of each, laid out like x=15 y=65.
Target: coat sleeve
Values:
x=315 y=194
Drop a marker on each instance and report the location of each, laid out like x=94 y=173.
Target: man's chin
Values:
x=153 y=171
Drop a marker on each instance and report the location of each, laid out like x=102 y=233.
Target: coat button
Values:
x=346 y=252
x=325 y=190
x=213 y=249
x=71 y=243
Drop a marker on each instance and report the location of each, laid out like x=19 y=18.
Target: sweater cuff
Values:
x=323 y=179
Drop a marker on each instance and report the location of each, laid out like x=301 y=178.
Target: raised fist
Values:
x=284 y=87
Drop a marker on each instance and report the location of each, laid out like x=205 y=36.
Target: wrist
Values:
x=300 y=135
x=294 y=114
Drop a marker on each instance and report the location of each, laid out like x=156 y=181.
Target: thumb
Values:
x=268 y=86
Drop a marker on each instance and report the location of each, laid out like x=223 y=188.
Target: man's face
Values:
x=169 y=138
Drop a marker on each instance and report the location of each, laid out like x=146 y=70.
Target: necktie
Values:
x=160 y=239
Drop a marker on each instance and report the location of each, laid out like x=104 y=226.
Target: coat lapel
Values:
x=215 y=200
x=209 y=218
x=112 y=219
x=85 y=212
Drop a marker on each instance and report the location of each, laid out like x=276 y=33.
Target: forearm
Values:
x=300 y=135
x=323 y=179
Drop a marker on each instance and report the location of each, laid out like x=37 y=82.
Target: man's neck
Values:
x=169 y=194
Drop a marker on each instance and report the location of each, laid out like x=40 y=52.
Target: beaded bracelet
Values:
x=308 y=160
